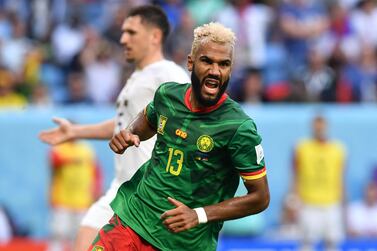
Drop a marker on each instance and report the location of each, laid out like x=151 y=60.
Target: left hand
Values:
x=180 y=218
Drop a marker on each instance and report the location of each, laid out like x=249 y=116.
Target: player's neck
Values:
x=151 y=58
x=195 y=105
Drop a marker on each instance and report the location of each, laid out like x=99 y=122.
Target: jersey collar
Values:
x=206 y=109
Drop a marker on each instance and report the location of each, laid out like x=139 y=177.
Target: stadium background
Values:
x=282 y=119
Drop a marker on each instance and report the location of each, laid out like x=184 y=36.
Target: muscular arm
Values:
x=138 y=130
x=256 y=200
x=67 y=131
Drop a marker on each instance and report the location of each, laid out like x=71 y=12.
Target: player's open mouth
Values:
x=211 y=85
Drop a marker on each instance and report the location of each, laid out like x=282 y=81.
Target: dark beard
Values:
x=196 y=86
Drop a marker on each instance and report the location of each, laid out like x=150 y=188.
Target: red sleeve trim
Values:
x=254 y=175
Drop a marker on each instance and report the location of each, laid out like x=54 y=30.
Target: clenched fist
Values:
x=122 y=140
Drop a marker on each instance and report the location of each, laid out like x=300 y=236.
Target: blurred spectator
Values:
x=67 y=40
x=302 y=22
x=251 y=24
x=365 y=75
x=318 y=183
x=114 y=31
x=5 y=26
x=181 y=36
x=341 y=37
x=362 y=215
x=362 y=18
x=53 y=77
x=20 y=7
x=250 y=89
x=8 y=96
x=39 y=22
x=58 y=11
x=340 y=25
x=103 y=76
x=40 y=96
x=275 y=73
x=318 y=80
x=45 y=40
x=174 y=10
x=202 y=11
x=343 y=85
x=30 y=77
x=76 y=183
x=77 y=93
x=348 y=4
x=14 y=49
x=253 y=86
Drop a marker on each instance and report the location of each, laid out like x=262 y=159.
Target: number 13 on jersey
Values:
x=176 y=167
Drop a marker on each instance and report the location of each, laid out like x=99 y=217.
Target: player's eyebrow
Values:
x=128 y=30
x=206 y=59
x=210 y=61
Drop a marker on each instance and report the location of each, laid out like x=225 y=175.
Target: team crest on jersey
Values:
x=161 y=124
x=98 y=248
x=205 y=143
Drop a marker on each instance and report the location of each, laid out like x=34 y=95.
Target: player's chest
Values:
x=194 y=133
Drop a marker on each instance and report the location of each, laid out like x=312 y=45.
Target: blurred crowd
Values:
x=55 y=52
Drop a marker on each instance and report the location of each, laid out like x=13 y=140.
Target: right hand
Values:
x=122 y=140
x=60 y=134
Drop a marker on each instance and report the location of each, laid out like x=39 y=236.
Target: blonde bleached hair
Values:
x=214 y=32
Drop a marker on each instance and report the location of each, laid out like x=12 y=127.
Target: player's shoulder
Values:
x=235 y=110
x=234 y=114
x=172 y=88
x=168 y=70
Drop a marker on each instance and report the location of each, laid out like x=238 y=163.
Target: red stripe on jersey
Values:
x=254 y=173
x=205 y=109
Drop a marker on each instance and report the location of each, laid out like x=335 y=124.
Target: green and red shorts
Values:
x=114 y=236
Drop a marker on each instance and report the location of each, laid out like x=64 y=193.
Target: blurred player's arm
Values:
x=256 y=200
x=68 y=131
x=138 y=130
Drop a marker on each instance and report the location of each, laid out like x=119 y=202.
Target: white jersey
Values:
x=134 y=97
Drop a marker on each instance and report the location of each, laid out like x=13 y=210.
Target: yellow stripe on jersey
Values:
x=254 y=175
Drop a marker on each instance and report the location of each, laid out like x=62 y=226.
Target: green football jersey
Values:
x=197 y=159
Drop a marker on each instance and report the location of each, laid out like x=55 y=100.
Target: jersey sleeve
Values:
x=150 y=110
x=246 y=152
x=150 y=114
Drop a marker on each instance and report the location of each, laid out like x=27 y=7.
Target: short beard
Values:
x=196 y=87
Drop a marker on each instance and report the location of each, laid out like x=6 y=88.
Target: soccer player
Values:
x=319 y=168
x=144 y=32
x=179 y=199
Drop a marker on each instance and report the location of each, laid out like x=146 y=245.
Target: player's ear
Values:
x=190 y=62
x=157 y=36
